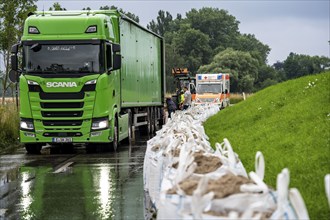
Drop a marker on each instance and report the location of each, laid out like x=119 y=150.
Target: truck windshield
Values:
x=209 y=88
x=62 y=59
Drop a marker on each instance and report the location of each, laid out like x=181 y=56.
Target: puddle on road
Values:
x=9 y=176
x=96 y=186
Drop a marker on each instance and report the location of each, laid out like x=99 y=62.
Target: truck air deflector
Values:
x=55 y=42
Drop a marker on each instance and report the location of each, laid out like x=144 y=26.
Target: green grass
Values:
x=290 y=124
x=9 y=131
x=238 y=97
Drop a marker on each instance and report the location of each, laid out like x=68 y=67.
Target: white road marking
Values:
x=63 y=168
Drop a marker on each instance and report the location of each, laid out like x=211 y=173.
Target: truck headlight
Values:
x=100 y=123
x=33 y=83
x=91 y=82
x=26 y=124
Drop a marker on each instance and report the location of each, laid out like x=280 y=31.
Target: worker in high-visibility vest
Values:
x=181 y=100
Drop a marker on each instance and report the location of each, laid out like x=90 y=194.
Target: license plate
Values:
x=62 y=140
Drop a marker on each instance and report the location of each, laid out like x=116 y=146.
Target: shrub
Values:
x=9 y=121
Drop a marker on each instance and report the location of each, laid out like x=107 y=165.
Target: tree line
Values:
x=207 y=40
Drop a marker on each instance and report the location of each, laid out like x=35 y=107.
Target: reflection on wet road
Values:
x=73 y=186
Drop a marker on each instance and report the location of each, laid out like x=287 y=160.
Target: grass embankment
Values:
x=289 y=123
x=238 y=97
x=9 y=121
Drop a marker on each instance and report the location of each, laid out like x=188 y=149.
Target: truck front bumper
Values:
x=101 y=136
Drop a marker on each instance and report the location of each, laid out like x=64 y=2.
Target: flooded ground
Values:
x=75 y=185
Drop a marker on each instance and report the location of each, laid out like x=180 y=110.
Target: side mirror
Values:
x=109 y=57
x=115 y=48
x=14 y=62
x=13 y=76
x=116 y=62
x=13 y=57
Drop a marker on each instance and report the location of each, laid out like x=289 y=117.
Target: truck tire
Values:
x=33 y=148
x=130 y=137
x=114 y=144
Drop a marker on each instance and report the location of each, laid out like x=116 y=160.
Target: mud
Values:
x=226 y=185
x=205 y=164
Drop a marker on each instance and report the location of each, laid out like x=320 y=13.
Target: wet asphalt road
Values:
x=73 y=185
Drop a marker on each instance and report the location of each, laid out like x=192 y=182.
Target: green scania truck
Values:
x=89 y=77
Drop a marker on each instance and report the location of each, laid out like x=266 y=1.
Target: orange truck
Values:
x=183 y=78
x=212 y=88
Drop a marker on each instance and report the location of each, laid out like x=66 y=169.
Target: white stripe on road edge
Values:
x=63 y=168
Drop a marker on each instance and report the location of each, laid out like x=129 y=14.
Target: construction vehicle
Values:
x=213 y=89
x=87 y=77
x=183 y=78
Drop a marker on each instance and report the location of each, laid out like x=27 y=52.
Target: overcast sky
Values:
x=301 y=27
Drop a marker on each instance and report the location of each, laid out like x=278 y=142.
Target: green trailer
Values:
x=90 y=77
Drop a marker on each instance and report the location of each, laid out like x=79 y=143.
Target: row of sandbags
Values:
x=187 y=179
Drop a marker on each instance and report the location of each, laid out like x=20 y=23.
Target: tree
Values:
x=12 y=16
x=57 y=7
x=221 y=27
x=173 y=59
x=128 y=14
x=163 y=23
x=268 y=76
x=248 y=43
x=297 y=65
x=193 y=46
x=205 y=33
x=243 y=68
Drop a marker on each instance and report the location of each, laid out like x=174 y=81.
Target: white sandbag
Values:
x=181 y=129
x=327 y=187
x=288 y=208
x=229 y=158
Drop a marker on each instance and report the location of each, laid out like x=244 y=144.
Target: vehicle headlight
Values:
x=26 y=124
x=33 y=83
x=100 y=123
x=91 y=82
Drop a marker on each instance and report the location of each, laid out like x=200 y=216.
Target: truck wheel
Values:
x=114 y=144
x=130 y=137
x=33 y=148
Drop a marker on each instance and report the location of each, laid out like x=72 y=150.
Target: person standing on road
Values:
x=181 y=100
x=187 y=98
x=171 y=106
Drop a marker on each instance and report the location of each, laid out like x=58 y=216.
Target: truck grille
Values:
x=62 y=122
x=62 y=105
x=206 y=99
x=62 y=114
x=61 y=96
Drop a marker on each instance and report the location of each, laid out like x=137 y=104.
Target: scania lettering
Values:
x=87 y=77
x=61 y=84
